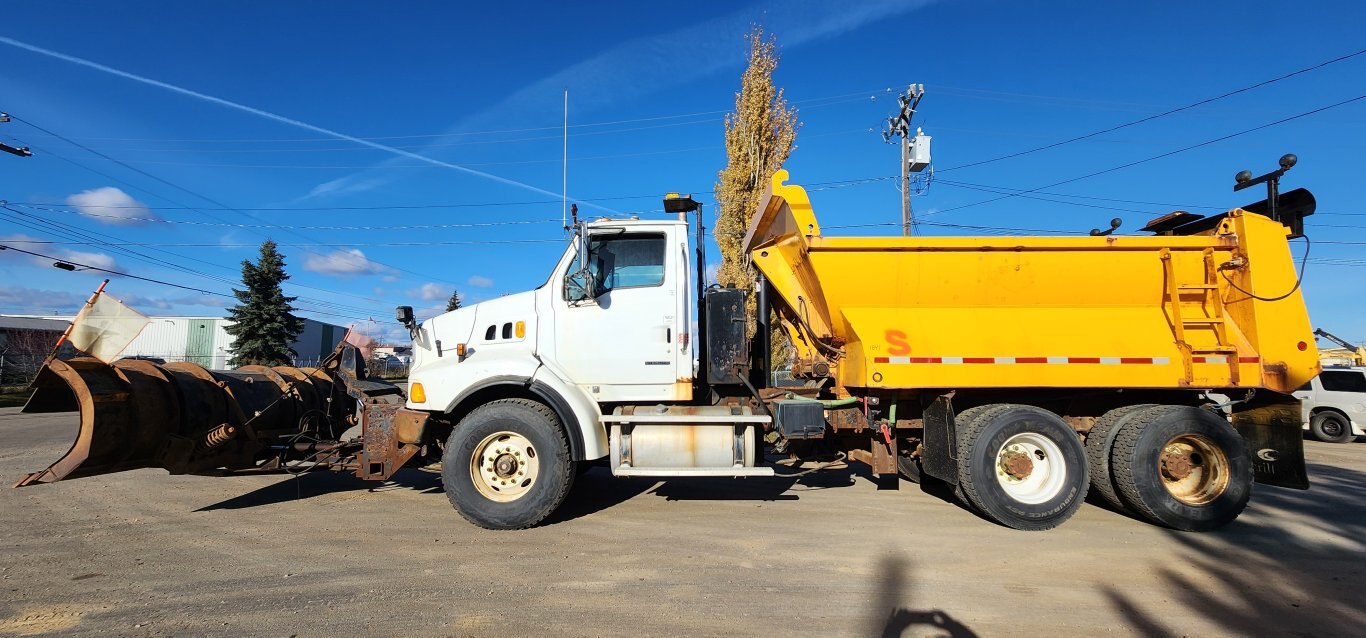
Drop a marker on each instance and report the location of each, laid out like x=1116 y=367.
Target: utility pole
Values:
x=21 y=151
x=915 y=149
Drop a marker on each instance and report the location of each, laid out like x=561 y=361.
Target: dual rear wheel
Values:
x=1020 y=466
x=1176 y=466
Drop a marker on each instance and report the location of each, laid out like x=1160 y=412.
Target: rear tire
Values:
x=1099 y=442
x=507 y=465
x=1182 y=467
x=1020 y=466
x=1331 y=427
x=909 y=469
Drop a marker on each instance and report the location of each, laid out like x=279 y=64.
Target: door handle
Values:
x=668 y=335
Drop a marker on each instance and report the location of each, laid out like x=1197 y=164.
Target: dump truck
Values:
x=1021 y=372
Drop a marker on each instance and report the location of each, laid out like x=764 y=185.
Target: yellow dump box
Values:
x=1218 y=309
x=1019 y=369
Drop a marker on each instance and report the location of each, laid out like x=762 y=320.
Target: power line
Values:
x=303 y=299
x=1160 y=115
x=1154 y=157
x=195 y=194
x=81 y=266
x=828 y=100
x=190 y=222
x=380 y=207
x=409 y=244
x=4 y=245
x=123 y=242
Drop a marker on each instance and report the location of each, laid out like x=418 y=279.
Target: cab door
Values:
x=622 y=343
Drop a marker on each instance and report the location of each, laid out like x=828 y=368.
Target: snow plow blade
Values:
x=187 y=419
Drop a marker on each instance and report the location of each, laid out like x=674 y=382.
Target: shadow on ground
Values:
x=1266 y=569
x=314 y=484
x=892 y=619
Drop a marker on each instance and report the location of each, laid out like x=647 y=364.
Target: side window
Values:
x=1343 y=381
x=627 y=261
x=489 y=334
x=1307 y=387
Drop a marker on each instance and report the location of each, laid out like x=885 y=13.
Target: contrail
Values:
x=280 y=118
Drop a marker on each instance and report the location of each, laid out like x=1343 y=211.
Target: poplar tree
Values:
x=263 y=320
x=760 y=134
x=454 y=302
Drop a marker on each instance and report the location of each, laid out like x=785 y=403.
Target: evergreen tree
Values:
x=760 y=134
x=454 y=302
x=263 y=320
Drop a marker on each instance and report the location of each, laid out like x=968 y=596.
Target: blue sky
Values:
x=343 y=129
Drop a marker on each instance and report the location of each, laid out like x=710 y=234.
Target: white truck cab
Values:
x=625 y=340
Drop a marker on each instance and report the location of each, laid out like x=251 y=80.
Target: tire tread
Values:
x=1099 y=445
x=1124 y=458
x=567 y=470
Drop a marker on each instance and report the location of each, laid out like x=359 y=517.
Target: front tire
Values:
x=507 y=465
x=1182 y=467
x=1331 y=427
x=1020 y=466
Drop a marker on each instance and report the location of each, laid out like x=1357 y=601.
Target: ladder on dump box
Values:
x=1212 y=317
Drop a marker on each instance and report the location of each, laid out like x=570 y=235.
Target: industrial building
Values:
x=204 y=340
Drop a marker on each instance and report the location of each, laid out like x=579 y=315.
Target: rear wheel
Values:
x=1020 y=466
x=1099 y=442
x=507 y=465
x=1331 y=427
x=1182 y=467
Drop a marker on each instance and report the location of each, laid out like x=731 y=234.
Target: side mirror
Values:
x=578 y=286
x=404 y=315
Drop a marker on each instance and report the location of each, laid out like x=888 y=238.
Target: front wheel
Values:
x=1182 y=467
x=1330 y=427
x=1020 y=466
x=507 y=465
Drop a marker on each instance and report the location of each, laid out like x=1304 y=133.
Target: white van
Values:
x=1334 y=404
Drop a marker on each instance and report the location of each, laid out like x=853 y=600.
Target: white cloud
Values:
x=98 y=260
x=29 y=300
x=344 y=263
x=430 y=292
x=110 y=205
x=343 y=186
x=38 y=301
x=427 y=312
x=480 y=282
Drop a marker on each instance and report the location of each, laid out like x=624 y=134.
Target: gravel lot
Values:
x=144 y=553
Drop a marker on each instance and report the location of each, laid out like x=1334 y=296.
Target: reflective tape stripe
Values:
x=1051 y=360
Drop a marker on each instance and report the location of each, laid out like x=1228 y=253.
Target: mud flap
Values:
x=940 y=458
x=1271 y=425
